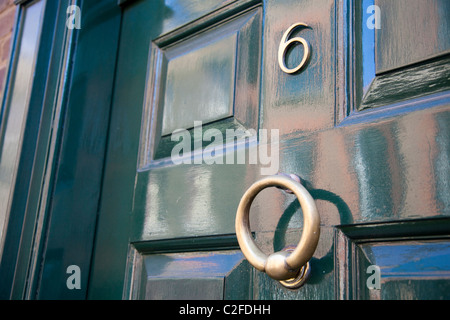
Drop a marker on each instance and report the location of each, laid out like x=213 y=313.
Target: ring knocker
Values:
x=291 y=266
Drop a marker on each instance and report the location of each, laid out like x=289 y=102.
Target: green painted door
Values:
x=365 y=123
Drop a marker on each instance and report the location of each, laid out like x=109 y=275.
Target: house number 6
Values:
x=286 y=44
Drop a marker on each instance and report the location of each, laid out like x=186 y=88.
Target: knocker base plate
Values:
x=299 y=280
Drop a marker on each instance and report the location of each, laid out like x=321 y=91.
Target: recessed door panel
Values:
x=207 y=72
x=401 y=51
x=411 y=31
x=214 y=275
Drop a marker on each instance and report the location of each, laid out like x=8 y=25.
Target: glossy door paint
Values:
x=375 y=158
x=365 y=124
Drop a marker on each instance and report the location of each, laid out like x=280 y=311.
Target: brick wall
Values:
x=7 y=15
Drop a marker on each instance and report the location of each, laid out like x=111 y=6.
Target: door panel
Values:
x=202 y=73
x=398 y=51
x=400 y=42
x=212 y=275
x=367 y=152
x=410 y=269
x=412 y=257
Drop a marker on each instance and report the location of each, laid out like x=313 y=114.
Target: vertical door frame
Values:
x=39 y=214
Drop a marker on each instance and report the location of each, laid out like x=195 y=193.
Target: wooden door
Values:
x=364 y=123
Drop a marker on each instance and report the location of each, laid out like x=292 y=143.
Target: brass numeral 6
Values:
x=286 y=43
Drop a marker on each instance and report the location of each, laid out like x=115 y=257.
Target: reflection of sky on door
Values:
x=179 y=12
x=368 y=46
x=192 y=265
x=198 y=215
x=413 y=258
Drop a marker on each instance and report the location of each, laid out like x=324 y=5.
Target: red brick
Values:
x=5 y=48
x=7 y=21
x=2 y=82
x=7 y=15
x=4 y=4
